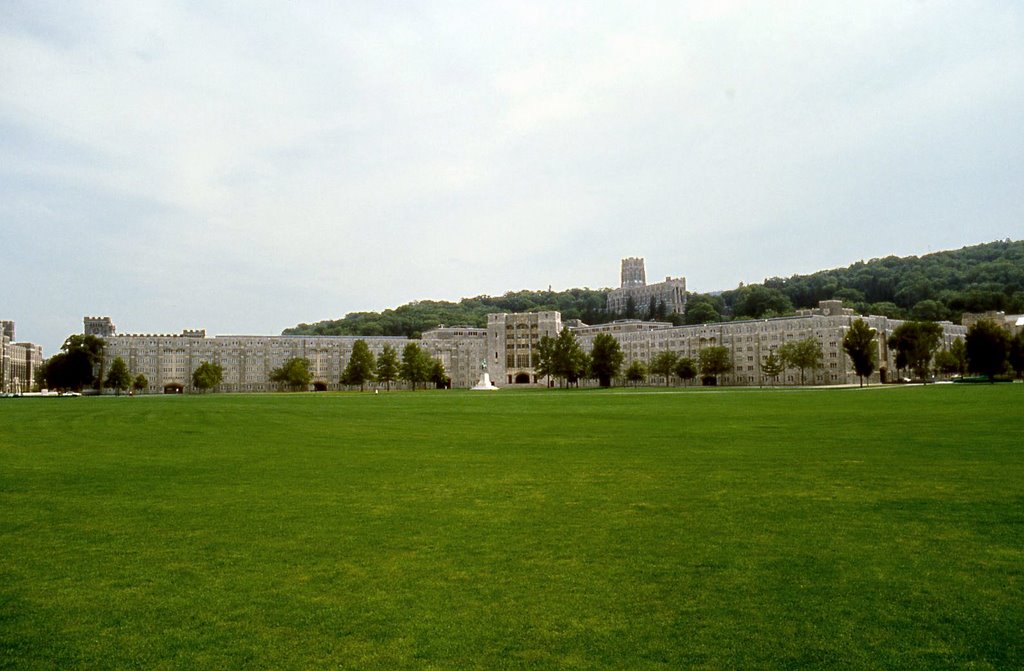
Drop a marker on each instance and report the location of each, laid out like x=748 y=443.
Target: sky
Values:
x=244 y=167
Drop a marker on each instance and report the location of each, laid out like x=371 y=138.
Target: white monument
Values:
x=485 y=383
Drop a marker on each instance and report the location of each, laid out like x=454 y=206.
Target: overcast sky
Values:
x=246 y=168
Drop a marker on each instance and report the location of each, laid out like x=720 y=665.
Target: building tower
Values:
x=633 y=274
x=99 y=326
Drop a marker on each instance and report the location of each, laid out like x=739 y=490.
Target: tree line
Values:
x=933 y=287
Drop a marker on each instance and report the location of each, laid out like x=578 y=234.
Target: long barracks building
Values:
x=508 y=346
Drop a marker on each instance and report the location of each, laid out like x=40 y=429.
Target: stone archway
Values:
x=523 y=378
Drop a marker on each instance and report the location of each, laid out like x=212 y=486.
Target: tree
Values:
x=293 y=374
x=772 y=366
x=757 y=300
x=119 y=377
x=562 y=357
x=631 y=312
x=544 y=357
x=140 y=383
x=686 y=369
x=208 y=375
x=959 y=351
x=77 y=365
x=803 y=354
x=387 y=366
x=859 y=343
x=945 y=363
x=664 y=363
x=701 y=310
x=636 y=372
x=714 y=361
x=1017 y=354
x=605 y=358
x=988 y=348
x=416 y=365
x=438 y=375
x=91 y=348
x=915 y=342
x=361 y=366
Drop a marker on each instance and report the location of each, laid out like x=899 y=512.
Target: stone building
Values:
x=168 y=361
x=509 y=345
x=19 y=361
x=512 y=341
x=671 y=294
x=750 y=342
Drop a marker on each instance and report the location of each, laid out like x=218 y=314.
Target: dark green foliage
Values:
x=755 y=301
x=860 y=345
x=773 y=366
x=804 y=354
x=1016 y=357
x=414 y=318
x=915 y=343
x=79 y=364
x=605 y=359
x=388 y=368
x=417 y=365
x=715 y=361
x=703 y=309
x=664 y=364
x=140 y=383
x=119 y=378
x=631 y=311
x=294 y=374
x=636 y=372
x=208 y=375
x=686 y=369
x=361 y=367
x=438 y=375
x=942 y=285
x=988 y=348
x=561 y=358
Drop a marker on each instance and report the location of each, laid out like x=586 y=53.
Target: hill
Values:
x=413 y=318
x=937 y=286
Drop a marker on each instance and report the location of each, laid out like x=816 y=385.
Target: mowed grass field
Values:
x=880 y=528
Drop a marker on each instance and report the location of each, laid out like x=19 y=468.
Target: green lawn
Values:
x=880 y=528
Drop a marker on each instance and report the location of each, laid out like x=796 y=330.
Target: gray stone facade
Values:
x=509 y=346
x=19 y=361
x=671 y=293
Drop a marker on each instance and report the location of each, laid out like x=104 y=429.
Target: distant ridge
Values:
x=936 y=286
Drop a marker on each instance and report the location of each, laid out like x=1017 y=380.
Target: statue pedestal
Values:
x=484 y=384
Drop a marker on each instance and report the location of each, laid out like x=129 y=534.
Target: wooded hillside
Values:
x=936 y=286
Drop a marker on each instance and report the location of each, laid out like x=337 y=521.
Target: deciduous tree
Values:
x=636 y=372
x=605 y=359
x=915 y=342
x=119 y=378
x=686 y=369
x=208 y=375
x=803 y=354
x=714 y=361
x=293 y=374
x=361 y=366
x=1017 y=354
x=988 y=348
x=773 y=366
x=860 y=345
x=664 y=364
x=416 y=365
x=387 y=366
